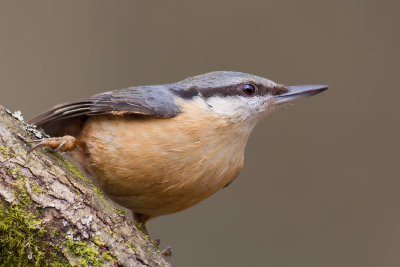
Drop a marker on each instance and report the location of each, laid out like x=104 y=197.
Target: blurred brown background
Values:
x=321 y=180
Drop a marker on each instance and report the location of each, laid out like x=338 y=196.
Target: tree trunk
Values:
x=50 y=214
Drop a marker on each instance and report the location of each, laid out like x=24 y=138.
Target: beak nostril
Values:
x=279 y=89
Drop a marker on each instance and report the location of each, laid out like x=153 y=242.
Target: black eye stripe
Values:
x=234 y=90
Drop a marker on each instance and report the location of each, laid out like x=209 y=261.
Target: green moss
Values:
x=21 y=194
x=141 y=227
x=119 y=211
x=54 y=232
x=22 y=235
x=37 y=189
x=78 y=173
x=109 y=256
x=130 y=246
x=98 y=191
x=155 y=246
x=74 y=169
x=89 y=254
x=98 y=241
x=6 y=153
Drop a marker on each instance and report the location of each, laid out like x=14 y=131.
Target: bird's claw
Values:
x=156 y=242
x=61 y=146
x=167 y=252
x=64 y=143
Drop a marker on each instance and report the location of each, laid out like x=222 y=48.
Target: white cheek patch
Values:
x=239 y=108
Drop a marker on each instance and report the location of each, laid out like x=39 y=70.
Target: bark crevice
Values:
x=58 y=214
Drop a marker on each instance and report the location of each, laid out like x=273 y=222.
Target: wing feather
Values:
x=155 y=101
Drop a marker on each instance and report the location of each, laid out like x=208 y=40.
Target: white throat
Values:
x=241 y=108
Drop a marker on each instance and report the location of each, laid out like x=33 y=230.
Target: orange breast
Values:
x=158 y=166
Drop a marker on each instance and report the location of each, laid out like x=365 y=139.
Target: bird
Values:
x=160 y=149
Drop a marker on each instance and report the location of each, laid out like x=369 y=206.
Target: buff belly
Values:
x=157 y=166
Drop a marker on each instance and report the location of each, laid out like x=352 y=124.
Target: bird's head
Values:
x=238 y=97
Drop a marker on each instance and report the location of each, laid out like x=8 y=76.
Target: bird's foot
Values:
x=141 y=226
x=64 y=143
x=167 y=252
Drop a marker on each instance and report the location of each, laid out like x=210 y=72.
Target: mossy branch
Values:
x=51 y=215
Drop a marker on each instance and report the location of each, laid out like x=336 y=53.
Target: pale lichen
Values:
x=18 y=115
x=37 y=132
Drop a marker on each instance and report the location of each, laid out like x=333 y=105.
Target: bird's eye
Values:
x=249 y=89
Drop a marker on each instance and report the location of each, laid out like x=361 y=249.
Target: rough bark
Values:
x=50 y=214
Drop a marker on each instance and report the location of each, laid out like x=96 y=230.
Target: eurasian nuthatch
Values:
x=163 y=148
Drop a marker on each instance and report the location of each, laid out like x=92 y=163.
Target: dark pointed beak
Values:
x=299 y=91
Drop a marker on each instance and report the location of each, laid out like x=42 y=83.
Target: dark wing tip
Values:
x=62 y=111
